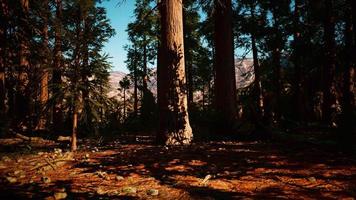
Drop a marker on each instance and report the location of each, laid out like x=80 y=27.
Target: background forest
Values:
x=54 y=76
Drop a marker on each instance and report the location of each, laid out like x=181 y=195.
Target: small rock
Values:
x=100 y=191
x=46 y=179
x=19 y=160
x=60 y=195
x=6 y=159
x=129 y=190
x=312 y=179
x=101 y=174
x=152 y=192
x=40 y=153
x=58 y=151
x=119 y=178
x=11 y=179
x=86 y=156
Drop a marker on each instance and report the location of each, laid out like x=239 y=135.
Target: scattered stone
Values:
x=6 y=159
x=152 y=192
x=11 y=179
x=19 y=160
x=40 y=153
x=86 y=156
x=100 y=191
x=60 y=195
x=119 y=178
x=58 y=151
x=312 y=179
x=46 y=179
x=102 y=174
x=129 y=190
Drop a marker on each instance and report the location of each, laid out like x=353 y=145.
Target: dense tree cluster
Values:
x=53 y=72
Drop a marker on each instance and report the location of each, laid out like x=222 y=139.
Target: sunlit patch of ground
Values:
x=215 y=170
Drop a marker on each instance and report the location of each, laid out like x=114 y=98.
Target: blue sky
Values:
x=119 y=15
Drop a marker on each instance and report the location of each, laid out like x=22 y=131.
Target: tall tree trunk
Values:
x=3 y=9
x=348 y=105
x=174 y=126
x=73 y=146
x=44 y=76
x=353 y=11
x=329 y=98
x=135 y=84
x=257 y=82
x=57 y=70
x=225 y=80
x=76 y=77
x=298 y=82
x=188 y=64
x=276 y=60
x=21 y=99
x=144 y=74
x=124 y=103
x=85 y=70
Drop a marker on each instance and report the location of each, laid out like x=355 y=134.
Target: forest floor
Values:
x=136 y=169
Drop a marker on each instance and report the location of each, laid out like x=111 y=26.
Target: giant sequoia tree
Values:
x=174 y=126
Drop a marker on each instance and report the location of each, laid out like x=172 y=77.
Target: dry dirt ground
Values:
x=136 y=169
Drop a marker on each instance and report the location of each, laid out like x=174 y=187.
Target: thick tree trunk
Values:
x=225 y=80
x=348 y=106
x=174 y=126
x=44 y=76
x=57 y=70
x=329 y=98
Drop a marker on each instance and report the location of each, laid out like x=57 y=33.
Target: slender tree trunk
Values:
x=329 y=98
x=174 y=126
x=203 y=100
x=3 y=28
x=298 y=82
x=124 y=103
x=353 y=11
x=21 y=99
x=276 y=60
x=44 y=77
x=73 y=146
x=135 y=86
x=256 y=66
x=257 y=83
x=144 y=75
x=57 y=70
x=190 y=83
x=188 y=64
x=225 y=80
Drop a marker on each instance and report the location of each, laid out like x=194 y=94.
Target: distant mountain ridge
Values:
x=244 y=77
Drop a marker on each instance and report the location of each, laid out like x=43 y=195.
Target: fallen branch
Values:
x=48 y=162
x=51 y=164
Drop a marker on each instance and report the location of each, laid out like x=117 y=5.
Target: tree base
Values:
x=182 y=137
